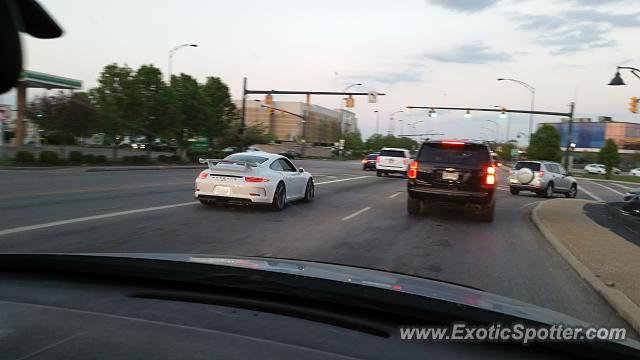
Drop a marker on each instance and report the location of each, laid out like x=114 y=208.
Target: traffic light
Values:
x=633 y=104
x=272 y=110
x=268 y=99
x=350 y=101
x=503 y=113
x=467 y=115
x=433 y=113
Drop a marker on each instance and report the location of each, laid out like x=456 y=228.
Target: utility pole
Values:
x=242 y=129
x=569 y=136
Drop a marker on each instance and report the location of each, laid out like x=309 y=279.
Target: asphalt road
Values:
x=356 y=219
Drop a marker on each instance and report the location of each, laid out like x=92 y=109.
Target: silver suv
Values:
x=543 y=178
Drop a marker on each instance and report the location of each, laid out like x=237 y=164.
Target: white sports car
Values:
x=253 y=178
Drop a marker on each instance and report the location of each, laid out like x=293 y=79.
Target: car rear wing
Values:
x=212 y=163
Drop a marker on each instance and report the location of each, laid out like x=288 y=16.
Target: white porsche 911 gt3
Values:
x=253 y=178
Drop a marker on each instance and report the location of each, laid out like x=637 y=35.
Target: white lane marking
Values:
x=89 y=218
x=594 y=197
x=394 y=195
x=621 y=186
x=608 y=188
x=331 y=176
x=356 y=213
x=340 y=180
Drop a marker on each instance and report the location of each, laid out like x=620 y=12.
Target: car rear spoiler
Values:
x=212 y=163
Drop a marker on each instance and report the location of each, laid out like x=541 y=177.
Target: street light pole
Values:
x=532 y=90
x=497 y=130
x=377 y=121
x=391 y=120
x=172 y=52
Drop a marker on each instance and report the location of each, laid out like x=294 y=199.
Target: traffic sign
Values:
x=373 y=97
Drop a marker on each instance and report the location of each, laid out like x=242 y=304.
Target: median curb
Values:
x=139 y=168
x=620 y=302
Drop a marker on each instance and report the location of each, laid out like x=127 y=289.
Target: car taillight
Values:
x=452 y=142
x=413 y=170
x=203 y=175
x=491 y=176
x=377 y=159
x=406 y=161
x=364 y=161
x=255 y=179
x=541 y=173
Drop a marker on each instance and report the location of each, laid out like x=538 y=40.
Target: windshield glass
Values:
x=400 y=130
x=247 y=158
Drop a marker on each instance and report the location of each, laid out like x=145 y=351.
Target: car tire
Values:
x=378 y=173
x=573 y=191
x=205 y=202
x=279 y=198
x=486 y=213
x=548 y=191
x=413 y=206
x=309 y=192
x=514 y=191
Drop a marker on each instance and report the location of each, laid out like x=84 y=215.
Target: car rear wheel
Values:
x=486 y=214
x=413 y=206
x=279 y=197
x=205 y=202
x=310 y=191
x=548 y=192
x=573 y=191
x=514 y=191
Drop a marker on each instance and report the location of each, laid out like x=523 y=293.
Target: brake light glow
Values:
x=378 y=159
x=406 y=161
x=491 y=175
x=452 y=142
x=541 y=173
x=413 y=170
x=255 y=179
x=203 y=175
x=364 y=161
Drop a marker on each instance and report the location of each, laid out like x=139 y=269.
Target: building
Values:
x=348 y=121
x=589 y=136
x=322 y=126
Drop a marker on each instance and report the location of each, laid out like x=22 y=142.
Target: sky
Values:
x=417 y=52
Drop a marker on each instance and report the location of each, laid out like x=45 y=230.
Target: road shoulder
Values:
x=605 y=260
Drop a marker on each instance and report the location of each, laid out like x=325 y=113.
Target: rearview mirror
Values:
x=301 y=170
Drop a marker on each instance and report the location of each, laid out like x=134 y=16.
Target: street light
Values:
x=342 y=101
x=391 y=119
x=617 y=79
x=533 y=98
x=377 y=121
x=172 y=52
x=497 y=129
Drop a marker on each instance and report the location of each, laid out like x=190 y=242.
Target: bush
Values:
x=48 y=157
x=75 y=156
x=100 y=159
x=89 y=158
x=163 y=158
x=24 y=156
x=175 y=158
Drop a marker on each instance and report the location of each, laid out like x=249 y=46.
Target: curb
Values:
x=140 y=168
x=617 y=299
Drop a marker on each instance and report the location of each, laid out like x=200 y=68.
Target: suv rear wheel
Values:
x=413 y=206
x=548 y=192
x=486 y=214
x=573 y=191
x=514 y=191
x=378 y=173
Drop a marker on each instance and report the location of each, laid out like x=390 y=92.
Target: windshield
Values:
x=101 y=139
x=247 y=158
x=458 y=155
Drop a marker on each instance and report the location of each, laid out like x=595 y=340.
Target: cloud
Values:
x=408 y=75
x=470 y=54
x=467 y=6
x=598 y=2
x=577 y=30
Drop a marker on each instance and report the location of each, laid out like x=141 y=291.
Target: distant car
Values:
x=291 y=154
x=392 y=160
x=253 y=178
x=543 y=178
x=634 y=172
x=595 y=169
x=369 y=162
x=455 y=173
x=632 y=202
x=230 y=150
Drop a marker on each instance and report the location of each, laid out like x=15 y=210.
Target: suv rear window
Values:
x=534 y=166
x=392 y=153
x=468 y=154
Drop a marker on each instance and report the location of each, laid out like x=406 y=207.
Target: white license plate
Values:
x=390 y=161
x=222 y=190
x=449 y=175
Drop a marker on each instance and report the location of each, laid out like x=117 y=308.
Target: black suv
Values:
x=452 y=172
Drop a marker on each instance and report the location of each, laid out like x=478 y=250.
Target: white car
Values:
x=634 y=172
x=595 y=169
x=253 y=178
x=392 y=160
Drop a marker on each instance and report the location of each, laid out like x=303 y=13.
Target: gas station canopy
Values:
x=34 y=79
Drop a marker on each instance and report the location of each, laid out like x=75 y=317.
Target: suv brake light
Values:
x=378 y=159
x=405 y=161
x=413 y=170
x=491 y=176
x=255 y=179
x=541 y=173
x=451 y=142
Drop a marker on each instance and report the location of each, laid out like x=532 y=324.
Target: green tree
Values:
x=545 y=144
x=189 y=113
x=115 y=99
x=609 y=156
x=636 y=158
x=150 y=117
x=222 y=109
x=353 y=142
x=505 y=151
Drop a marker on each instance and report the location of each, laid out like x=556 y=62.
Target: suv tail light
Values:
x=255 y=179
x=541 y=173
x=203 y=175
x=364 y=161
x=378 y=159
x=406 y=161
x=413 y=170
x=491 y=176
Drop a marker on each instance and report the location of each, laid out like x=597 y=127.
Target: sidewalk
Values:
x=103 y=168
x=608 y=262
